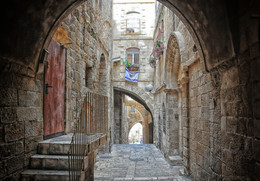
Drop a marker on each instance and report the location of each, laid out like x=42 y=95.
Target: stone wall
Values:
x=203 y=124
x=88 y=56
x=122 y=40
x=21 y=118
x=218 y=109
x=116 y=128
x=21 y=97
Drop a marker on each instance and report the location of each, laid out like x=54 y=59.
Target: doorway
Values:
x=54 y=90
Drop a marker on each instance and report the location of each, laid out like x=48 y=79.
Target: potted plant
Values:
x=130 y=66
x=152 y=61
x=159 y=46
x=130 y=30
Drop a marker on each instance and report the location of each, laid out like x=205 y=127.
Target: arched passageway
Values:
x=135 y=135
x=226 y=35
x=128 y=112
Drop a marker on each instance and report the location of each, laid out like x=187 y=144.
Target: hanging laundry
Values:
x=132 y=77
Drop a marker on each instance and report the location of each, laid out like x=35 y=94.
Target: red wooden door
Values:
x=54 y=91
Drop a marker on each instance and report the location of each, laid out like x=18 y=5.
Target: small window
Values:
x=102 y=61
x=133 y=22
x=132 y=55
x=132 y=110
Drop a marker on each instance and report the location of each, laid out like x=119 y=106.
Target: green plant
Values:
x=159 y=43
x=127 y=63
x=152 y=61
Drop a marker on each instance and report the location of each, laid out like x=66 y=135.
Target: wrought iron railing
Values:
x=91 y=125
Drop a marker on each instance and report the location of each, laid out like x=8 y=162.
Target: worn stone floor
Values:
x=135 y=162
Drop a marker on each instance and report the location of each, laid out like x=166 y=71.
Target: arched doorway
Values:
x=136 y=134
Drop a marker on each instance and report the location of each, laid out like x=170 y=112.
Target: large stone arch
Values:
x=137 y=94
x=201 y=18
x=131 y=124
x=145 y=119
x=36 y=23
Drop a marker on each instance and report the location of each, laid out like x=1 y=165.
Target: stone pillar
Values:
x=146 y=128
x=184 y=82
x=117 y=118
x=124 y=124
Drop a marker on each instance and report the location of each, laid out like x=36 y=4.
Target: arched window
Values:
x=133 y=22
x=132 y=55
x=102 y=61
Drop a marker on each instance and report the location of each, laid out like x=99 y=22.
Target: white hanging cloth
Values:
x=132 y=77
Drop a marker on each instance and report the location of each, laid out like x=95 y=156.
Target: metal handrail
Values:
x=92 y=123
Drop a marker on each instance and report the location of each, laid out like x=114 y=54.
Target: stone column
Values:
x=117 y=118
x=146 y=128
x=184 y=84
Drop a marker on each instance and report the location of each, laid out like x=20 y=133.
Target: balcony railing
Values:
x=91 y=125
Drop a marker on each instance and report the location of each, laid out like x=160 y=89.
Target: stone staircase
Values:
x=175 y=160
x=51 y=161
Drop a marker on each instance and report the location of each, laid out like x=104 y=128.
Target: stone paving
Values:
x=135 y=162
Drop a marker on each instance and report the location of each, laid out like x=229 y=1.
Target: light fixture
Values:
x=149 y=87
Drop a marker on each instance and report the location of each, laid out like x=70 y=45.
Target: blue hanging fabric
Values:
x=132 y=77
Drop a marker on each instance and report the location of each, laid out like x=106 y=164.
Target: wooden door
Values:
x=54 y=90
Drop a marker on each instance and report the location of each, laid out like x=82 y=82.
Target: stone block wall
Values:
x=219 y=108
x=21 y=95
x=117 y=125
x=89 y=32
x=203 y=123
x=21 y=118
x=143 y=40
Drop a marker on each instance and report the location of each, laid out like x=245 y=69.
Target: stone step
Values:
x=49 y=162
x=175 y=160
x=55 y=146
x=45 y=175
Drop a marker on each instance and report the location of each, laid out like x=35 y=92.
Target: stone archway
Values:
x=137 y=93
x=29 y=26
x=120 y=121
x=43 y=22
x=146 y=120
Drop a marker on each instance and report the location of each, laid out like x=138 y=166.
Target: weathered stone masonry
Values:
x=21 y=95
x=226 y=34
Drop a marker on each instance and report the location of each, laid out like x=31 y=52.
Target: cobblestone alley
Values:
x=135 y=162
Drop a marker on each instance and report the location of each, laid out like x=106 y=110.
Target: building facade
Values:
x=133 y=23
